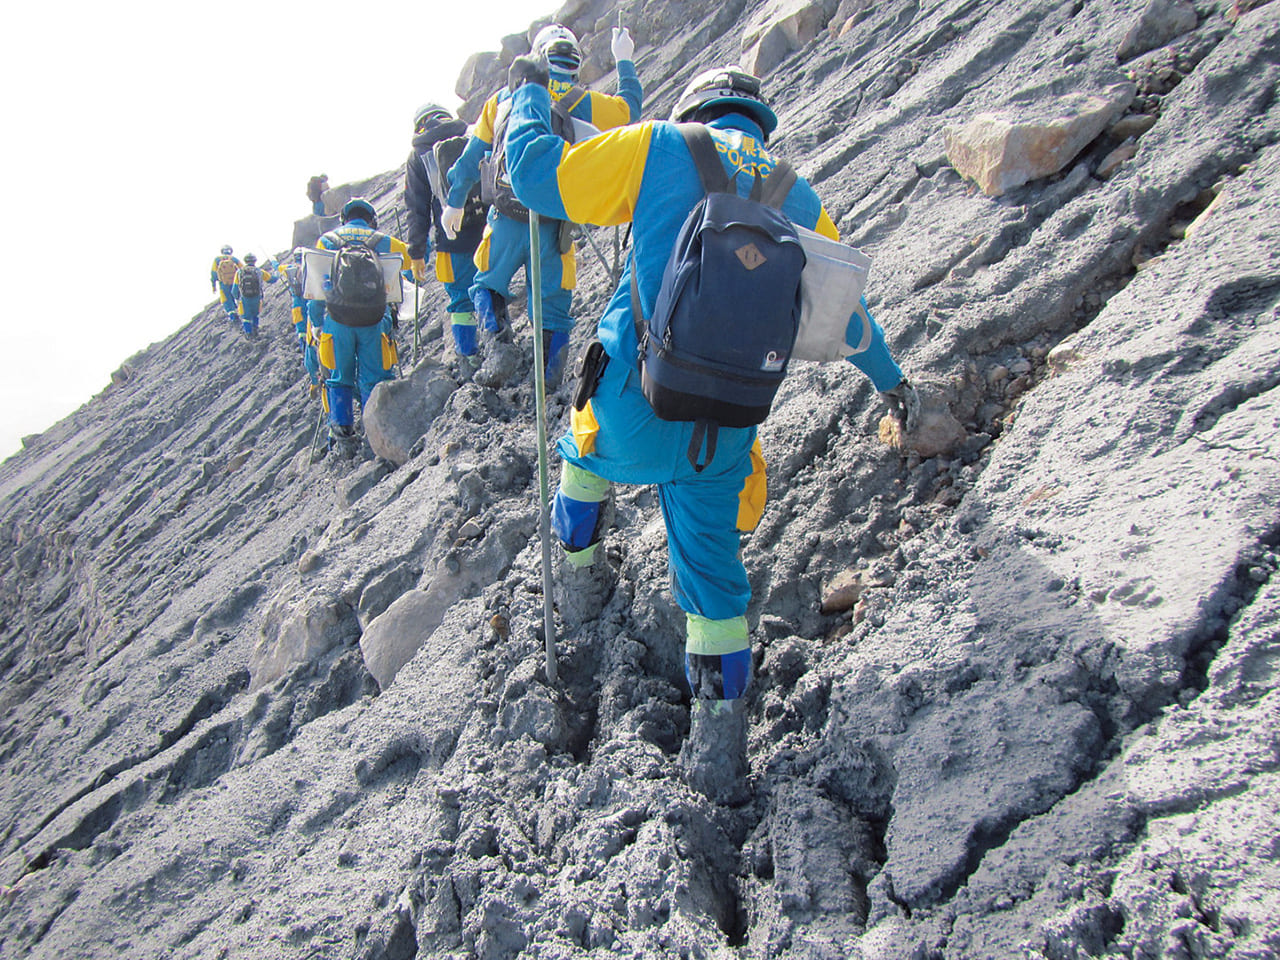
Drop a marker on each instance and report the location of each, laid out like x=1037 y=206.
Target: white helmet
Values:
x=558 y=47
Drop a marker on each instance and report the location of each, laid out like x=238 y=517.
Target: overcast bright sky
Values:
x=140 y=136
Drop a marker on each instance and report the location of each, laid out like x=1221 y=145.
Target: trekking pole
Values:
x=413 y=356
x=540 y=395
x=600 y=256
x=315 y=436
x=417 y=313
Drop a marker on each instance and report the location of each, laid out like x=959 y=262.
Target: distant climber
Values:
x=316 y=187
x=646 y=174
x=355 y=323
x=250 y=279
x=505 y=246
x=291 y=273
x=222 y=278
x=438 y=140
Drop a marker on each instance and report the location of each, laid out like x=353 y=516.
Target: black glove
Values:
x=527 y=70
x=904 y=405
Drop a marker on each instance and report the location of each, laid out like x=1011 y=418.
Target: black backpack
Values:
x=250 y=281
x=438 y=159
x=356 y=294
x=717 y=346
x=495 y=181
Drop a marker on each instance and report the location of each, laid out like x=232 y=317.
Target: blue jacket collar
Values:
x=738 y=121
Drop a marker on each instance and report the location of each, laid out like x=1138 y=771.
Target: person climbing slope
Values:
x=711 y=488
x=355 y=325
x=316 y=187
x=437 y=139
x=222 y=278
x=291 y=273
x=505 y=246
x=248 y=290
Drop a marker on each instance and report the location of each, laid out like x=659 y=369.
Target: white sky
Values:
x=142 y=135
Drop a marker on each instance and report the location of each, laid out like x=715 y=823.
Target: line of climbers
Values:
x=710 y=307
x=240 y=286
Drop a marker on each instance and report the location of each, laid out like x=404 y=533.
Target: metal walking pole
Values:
x=540 y=394
x=315 y=436
x=600 y=256
x=417 y=318
x=413 y=357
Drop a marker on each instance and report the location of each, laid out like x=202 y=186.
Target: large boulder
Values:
x=778 y=30
x=399 y=412
x=481 y=73
x=1000 y=151
x=298 y=631
x=1160 y=22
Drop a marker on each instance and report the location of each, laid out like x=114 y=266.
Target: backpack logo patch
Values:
x=750 y=256
x=774 y=361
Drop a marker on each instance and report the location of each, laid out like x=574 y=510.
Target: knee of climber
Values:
x=717 y=659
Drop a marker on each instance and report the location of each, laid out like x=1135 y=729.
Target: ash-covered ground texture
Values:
x=1016 y=680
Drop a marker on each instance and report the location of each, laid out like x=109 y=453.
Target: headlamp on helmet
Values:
x=731 y=86
x=558 y=47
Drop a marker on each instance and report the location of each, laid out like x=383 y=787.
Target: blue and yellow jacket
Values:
x=213 y=269
x=359 y=231
x=644 y=174
x=603 y=111
x=267 y=276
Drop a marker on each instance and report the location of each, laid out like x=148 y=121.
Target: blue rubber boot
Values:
x=491 y=309
x=555 y=349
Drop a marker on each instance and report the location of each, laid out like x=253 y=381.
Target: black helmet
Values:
x=558 y=47
x=726 y=85
x=250 y=258
x=358 y=208
x=429 y=115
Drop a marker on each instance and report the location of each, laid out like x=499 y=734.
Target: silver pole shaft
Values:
x=540 y=393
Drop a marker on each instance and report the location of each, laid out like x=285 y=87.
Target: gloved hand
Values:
x=623 y=46
x=419 y=271
x=451 y=221
x=904 y=405
x=527 y=70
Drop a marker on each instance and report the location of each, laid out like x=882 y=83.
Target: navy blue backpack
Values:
x=716 y=348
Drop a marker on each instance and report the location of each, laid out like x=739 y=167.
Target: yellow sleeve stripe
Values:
x=826 y=227
x=599 y=179
x=484 y=123
x=608 y=112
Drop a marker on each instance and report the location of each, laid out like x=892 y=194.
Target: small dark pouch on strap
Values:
x=590 y=368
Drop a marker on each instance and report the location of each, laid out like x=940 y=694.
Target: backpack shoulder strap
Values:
x=773 y=190
x=373 y=240
x=569 y=102
x=705 y=157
